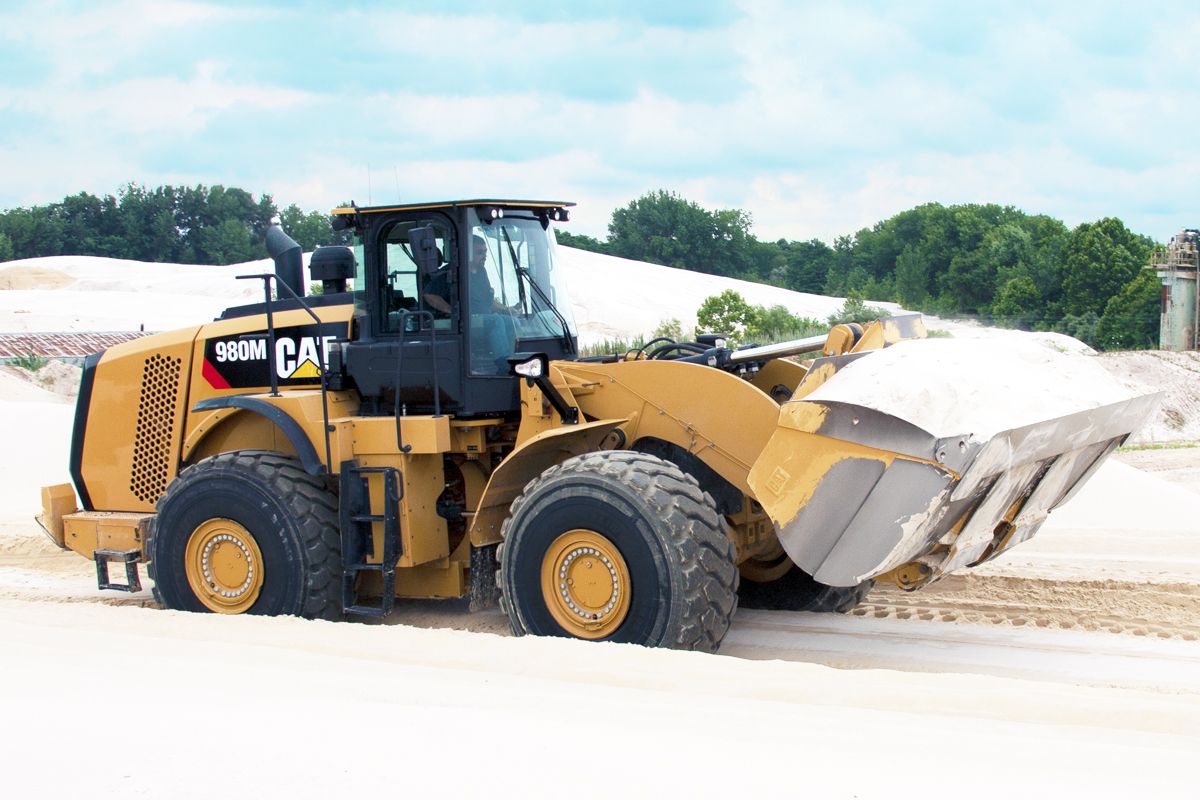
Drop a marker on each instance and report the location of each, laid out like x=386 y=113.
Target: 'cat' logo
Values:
x=240 y=361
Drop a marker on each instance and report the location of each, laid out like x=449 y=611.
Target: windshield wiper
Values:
x=568 y=345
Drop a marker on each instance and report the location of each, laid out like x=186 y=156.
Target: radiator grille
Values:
x=155 y=426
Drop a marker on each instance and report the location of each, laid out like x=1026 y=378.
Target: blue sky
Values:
x=817 y=118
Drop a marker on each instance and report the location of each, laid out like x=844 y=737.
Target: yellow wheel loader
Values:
x=425 y=427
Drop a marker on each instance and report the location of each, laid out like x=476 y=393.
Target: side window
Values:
x=403 y=288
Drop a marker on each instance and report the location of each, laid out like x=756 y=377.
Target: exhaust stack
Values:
x=289 y=264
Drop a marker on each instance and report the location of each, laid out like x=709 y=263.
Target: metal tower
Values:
x=1177 y=265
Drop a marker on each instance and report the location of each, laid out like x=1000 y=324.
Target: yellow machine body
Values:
x=843 y=492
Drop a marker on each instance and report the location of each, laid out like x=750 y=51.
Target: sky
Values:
x=816 y=118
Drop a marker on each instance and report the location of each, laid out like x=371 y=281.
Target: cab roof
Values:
x=454 y=204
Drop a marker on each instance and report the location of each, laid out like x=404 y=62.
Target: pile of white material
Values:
x=615 y=298
x=85 y=293
x=61 y=380
x=951 y=387
x=612 y=298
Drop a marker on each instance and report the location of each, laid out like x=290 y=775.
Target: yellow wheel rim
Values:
x=585 y=584
x=224 y=566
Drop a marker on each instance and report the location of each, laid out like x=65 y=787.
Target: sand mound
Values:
x=1177 y=376
x=30 y=277
x=21 y=386
x=951 y=387
x=59 y=379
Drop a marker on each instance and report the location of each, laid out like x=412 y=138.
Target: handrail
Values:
x=437 y=393
x=266 y=278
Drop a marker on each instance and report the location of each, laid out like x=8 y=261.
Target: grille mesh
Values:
x=155 y=426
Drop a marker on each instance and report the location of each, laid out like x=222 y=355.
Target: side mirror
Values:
x=424 y=249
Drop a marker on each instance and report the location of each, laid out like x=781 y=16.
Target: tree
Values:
x=6 y=248
x=1131 y=317
x=580 y=241
x=310 y=230
x=855 y=309
x=146 y=223
x=663 y=228
x=778 y=323
x=727 y=313
x=1100 y=258
x=912 y=278
x=807 y=264
x=1018 y=303
x=230 y=242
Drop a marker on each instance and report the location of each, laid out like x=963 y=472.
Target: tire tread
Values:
x=306 y=501
x=696 y=531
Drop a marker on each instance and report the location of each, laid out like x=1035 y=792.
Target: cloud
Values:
x=817 y=118
x=78 y=40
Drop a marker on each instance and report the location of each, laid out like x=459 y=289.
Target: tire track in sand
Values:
x=1163 y=610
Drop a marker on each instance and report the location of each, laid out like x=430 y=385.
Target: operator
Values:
x=492 y=330
x=437 y=292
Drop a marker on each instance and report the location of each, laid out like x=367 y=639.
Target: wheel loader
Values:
x=425 y=427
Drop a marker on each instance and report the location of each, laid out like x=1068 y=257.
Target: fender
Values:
x=291 y=429
x=524 y=464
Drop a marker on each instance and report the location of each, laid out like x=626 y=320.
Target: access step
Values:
x=129 y=558
x=358 y=542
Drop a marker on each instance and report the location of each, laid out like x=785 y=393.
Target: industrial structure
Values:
x=1177 y=265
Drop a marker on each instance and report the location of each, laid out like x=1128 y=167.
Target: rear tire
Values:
x=798 y=591
x=618 y=546
x=248 y=532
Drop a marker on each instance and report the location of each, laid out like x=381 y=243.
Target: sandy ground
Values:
x=1070 y=665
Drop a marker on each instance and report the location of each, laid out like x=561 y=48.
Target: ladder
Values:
x=358 y=543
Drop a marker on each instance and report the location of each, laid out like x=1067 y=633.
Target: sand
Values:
x=953 y=387
x=1066 y=666
x=1177 y=376
x=58 y=380
x=32 y=277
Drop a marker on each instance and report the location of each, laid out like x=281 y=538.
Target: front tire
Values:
x=248 y=532
x=618 y=546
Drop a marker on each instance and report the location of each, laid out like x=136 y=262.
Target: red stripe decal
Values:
x=212 y=376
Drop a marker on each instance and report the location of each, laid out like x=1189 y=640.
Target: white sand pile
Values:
x=971 y=329
x=22 y=386
x=85 y=293
x=35 y=426
x=95 y=274
x=955 y=386
x=1177 y=376
x=56 y=377
x=60 y=378
x=33 y=277
x=617 y=298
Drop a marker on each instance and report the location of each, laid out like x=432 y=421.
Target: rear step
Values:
x=129 y=558
x=358 y=544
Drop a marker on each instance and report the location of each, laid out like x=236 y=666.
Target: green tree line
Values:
x=179 y=224
x=992 y=262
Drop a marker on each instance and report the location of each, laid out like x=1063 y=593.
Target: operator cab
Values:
x=453 y=288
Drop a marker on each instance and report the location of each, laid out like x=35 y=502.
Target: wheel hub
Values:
x=224 y=566
x=585 y=584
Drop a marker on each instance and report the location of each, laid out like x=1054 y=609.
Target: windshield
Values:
x=526 y=278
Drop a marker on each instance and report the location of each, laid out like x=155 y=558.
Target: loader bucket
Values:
x=855 y=493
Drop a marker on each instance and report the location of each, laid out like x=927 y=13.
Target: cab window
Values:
x=404 y=289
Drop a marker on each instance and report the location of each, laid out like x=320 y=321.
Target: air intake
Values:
x=155 y=427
